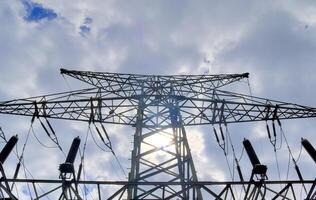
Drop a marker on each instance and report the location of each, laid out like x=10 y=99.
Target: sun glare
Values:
x=160 y=140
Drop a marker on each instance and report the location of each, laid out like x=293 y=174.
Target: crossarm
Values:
x=79 y=105
x=204 y=111
x=94 y=105
x=133 y=83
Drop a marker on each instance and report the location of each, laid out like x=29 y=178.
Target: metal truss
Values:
x=275 y=190
x=133 y=84
x=95 y=104
x=160 y=107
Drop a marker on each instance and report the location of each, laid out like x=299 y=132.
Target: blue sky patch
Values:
x=36 y=12
x=85 y=27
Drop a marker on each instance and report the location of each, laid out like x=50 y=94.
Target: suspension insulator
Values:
x=45 y=129
x=268 y=130
x=73 y=151
x=309 y=148
x=279 y=122
x=8 y=148
x=251 y=153
x=216 y=136
x=222 y=133
x=274 y=130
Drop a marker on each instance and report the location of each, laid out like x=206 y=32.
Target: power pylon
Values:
x=160 y=107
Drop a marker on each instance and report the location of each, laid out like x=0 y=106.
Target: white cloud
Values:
x=270 y=40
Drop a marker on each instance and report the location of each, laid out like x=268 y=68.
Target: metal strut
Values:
x=160 y=107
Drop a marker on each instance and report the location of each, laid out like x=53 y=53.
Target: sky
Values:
x=275 y=41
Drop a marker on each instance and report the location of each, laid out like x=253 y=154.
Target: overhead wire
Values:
x=277 y=164
x=299 y=155
x=111 y=151
x=94 y=140
x=101 y=137
x=28 y=187
x=82 y=156
x=120 y=165
x=228 y=139
x=66 y=81
x=108 y=145
x=6 y=141
x=22 y=162
x=235 y=160
x=83 y=168
x=292 y=156
x=249 y=87
x=222 y=144
x=83 y=191
x=288 y=166
x=81 y=165
x=96 y=143
x=243 y=149
x=273 y=138
x=53 y=138
x=40 y=142
x=273 y=141
x=241 y=154
x=225 y=150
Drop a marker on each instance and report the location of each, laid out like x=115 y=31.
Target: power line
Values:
x=153 y=104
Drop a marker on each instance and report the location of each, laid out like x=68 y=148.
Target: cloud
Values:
x=274 y=41
x=282 y=50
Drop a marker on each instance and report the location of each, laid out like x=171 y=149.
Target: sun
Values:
x=160 y=140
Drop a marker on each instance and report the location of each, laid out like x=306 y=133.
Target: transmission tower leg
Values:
x=162 y=154
x=134 y=173
x=190 y=168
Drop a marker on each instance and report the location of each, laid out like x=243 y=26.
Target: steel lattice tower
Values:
x=158 y=113
x=160 y=106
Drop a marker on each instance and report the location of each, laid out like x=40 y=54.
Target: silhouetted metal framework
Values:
x=164 y=106
x=291 y=189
